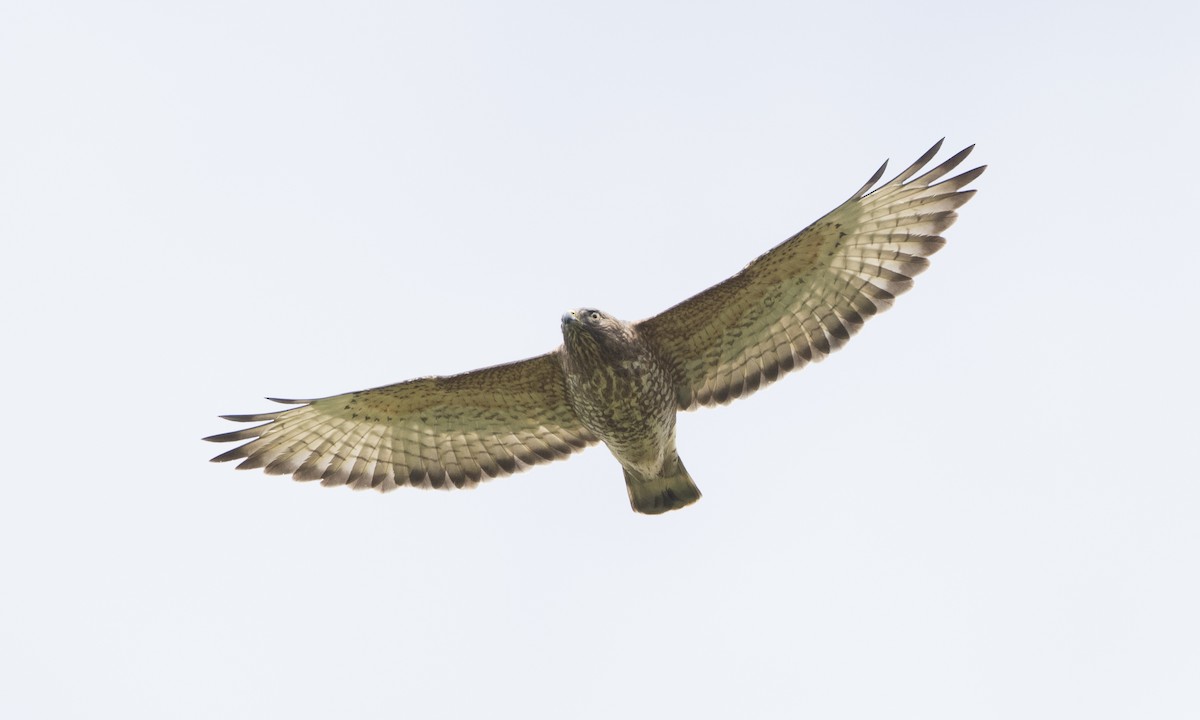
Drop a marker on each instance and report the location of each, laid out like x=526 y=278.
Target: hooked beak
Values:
x=570 y=317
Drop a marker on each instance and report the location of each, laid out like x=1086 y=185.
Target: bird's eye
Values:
x=595 y=317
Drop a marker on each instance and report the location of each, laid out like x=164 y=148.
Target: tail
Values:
x=670 y=491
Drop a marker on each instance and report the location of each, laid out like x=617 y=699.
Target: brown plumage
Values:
x=622 y=383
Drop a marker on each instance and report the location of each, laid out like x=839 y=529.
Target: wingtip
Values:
x=920 y=163
x=235 y=454
x=931 y=153
x=874 y=179
x=254 y=417
x=962 y=154
x=929 y=177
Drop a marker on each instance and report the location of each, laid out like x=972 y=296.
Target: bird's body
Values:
x=625 y=395
x=623 y=383
x=619 y=390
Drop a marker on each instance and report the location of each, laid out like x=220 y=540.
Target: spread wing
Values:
x=431 y=432
x=803 y=299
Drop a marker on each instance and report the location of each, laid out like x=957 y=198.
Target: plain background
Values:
x=984 y=507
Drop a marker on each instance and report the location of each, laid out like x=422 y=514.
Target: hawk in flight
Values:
x=622 y=383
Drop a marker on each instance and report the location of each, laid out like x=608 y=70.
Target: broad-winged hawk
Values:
x=622 y=383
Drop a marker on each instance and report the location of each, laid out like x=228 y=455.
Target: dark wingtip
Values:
x=920 y=163
x=959 y=156
x=249 y=433
x=285 y=401
x=257 y=417
x=874 y=179
x=930 y=154
x=961 y=180
x=929 y=178
x=233 y=454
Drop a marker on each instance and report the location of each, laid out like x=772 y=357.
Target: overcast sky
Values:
x=986 y=506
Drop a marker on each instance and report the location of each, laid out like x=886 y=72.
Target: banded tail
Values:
x=656 y=495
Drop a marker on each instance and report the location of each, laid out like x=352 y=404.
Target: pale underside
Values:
x=795 y=304
x=431 y=432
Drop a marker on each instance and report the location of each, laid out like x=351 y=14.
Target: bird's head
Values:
x=591 y=326
x=583 y=319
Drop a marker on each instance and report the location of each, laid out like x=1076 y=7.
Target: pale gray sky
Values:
x=986 y=506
